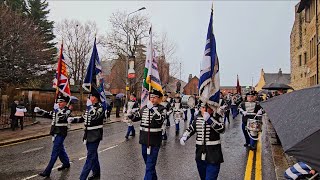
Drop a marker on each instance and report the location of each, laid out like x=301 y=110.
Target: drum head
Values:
x=188 y=101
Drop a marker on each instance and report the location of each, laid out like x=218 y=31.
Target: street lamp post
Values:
x=127 y=59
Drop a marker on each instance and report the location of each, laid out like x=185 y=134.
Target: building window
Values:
x=305 y=58
x=313 y=80
x=301 y=75
x=313 y=45
x=300 y=60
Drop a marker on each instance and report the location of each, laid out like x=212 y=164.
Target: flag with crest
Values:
x=209 y=82
x=93 y=81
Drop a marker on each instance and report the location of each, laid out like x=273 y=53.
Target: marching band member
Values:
x=152 y=117
x=59 y=130
x=131 y=107
x=208 y=145
x=250 y=110
x=177 y=112
x=165 y=103
x=93 y=122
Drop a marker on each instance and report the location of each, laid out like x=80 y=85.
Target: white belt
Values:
x=61 y=124
x=151 y=129
x=95 y=127
x=208 y=142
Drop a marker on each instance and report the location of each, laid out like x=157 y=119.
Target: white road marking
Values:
x=30 y=177
x=33 y=176
x=100 y=151
x=31 y=150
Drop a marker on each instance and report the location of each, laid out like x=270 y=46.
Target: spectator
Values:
x=117 y=104
x=12 y=112
x=20 y=110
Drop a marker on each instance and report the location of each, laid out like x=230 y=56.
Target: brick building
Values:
x=303 y=45
x=192 y=86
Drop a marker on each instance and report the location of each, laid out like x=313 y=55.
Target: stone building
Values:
x=304 y=45
x=267 y=78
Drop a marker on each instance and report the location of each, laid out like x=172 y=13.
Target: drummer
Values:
x=250 y=110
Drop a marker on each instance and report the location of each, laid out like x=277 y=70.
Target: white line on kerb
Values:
x=30 y=177
x=100 y=151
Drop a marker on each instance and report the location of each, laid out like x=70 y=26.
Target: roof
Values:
x=302 y=5
x=276 y=77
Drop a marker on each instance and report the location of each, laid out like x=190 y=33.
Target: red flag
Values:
x=61 y=81
x=238 y=86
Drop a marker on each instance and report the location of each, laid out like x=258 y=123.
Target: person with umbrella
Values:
x=250 y=110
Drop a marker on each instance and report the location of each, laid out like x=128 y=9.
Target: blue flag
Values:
x=209 y=82
x=93 y=81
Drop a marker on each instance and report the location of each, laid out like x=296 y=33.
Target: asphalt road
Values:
x=121 y=159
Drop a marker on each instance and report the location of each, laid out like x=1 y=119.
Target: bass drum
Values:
x=188 y=101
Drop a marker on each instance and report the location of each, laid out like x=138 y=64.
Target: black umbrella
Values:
x=276 y=86
x=296 y=119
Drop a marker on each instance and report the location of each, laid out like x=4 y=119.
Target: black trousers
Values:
x=14 y=122
x=117 y=111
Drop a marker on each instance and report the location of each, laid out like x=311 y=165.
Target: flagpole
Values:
x=150 y=65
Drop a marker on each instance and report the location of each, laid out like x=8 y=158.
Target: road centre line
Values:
x=100 y=151
x=31 y=150
x=35 y=175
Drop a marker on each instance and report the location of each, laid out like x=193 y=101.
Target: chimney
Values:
x=190 y=77
x=280 y=72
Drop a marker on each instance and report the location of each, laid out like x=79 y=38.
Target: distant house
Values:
x=192 y=86
x=267 y=78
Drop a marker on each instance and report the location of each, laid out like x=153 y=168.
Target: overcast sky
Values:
x=250 y=35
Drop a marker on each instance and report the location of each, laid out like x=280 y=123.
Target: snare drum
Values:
x=254 y=125
x=188 y=101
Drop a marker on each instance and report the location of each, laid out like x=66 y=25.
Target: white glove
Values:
x=55 y=106
x=244 y=113
x=183 y=140
x=259 y=112
x=220 y=111
x=196 y=112
x=206 y=116
x=89 y=103
x=36 y=109
x=149 y=105
x=70 y=119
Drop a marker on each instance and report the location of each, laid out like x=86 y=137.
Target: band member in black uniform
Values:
x=250 y=110
x=59 y=128
x=165 y=103
x=131 y=107
x=152 y=116
x=93 y=122
x=208 y=145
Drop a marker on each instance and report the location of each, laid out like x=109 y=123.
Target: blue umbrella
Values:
x=120 y=95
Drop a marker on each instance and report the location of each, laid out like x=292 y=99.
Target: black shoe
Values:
x=63 y=167
x=126 y=137
x=246 y=145
x=44 y=175
x=253 y=148
x=133 y=135
x=94 y=177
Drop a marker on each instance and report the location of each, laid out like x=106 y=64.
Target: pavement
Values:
x=40 y=128
x=280 y=159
